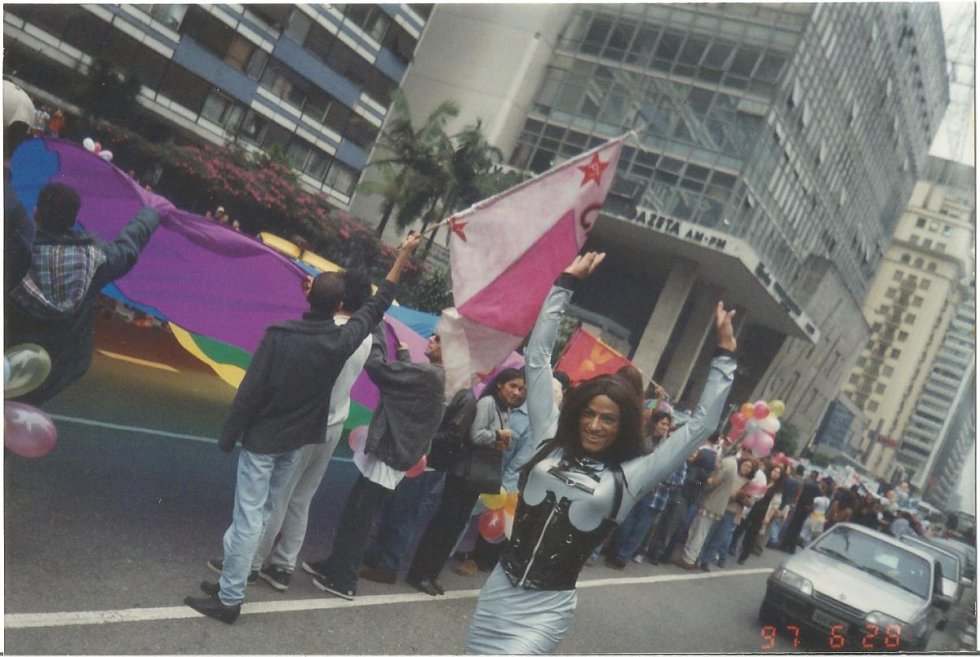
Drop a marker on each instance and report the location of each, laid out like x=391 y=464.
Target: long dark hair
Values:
x=628 y=443
x=493 y=388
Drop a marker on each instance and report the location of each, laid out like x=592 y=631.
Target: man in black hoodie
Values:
x=282 y=404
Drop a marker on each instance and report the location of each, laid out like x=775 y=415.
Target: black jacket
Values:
x=284 y=400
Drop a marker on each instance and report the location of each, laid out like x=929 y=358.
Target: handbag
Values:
x=482 y=469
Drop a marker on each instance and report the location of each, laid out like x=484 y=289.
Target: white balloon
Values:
x=770 y=424
x=89 y=144
x=106 y=155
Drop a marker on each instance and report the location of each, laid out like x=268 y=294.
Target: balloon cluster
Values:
x=93 y=146
x=757 y=424
x=497 y=520
x=358 y=436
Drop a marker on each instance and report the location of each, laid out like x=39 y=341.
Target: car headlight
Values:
x=883 y=621
x=792 y=580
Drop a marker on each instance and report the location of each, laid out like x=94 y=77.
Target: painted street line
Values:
x=152 y=432
x=70 y=618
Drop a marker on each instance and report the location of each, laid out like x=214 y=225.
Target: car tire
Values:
x=768 y=615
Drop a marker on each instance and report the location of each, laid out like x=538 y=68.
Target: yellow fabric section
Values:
x=230 y=374
x=281 y=245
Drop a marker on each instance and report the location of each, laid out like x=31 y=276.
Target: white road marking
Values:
x=152 y=432
x=68 y=618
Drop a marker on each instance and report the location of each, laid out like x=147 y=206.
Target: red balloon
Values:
x=760 y=410
x=417 y=469
x=739 y=420
x=491 y=525
x=27 y=431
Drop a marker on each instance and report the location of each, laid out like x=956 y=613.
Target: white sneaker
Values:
x=638 y=558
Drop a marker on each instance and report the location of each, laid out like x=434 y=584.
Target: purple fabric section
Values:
x=202 y=276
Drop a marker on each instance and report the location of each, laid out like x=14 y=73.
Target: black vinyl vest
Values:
x=546 y=551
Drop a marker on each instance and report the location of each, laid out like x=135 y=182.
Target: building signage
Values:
x=687 y=232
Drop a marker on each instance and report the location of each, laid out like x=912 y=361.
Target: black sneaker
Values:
x=216 y=564
x=315 y=568
x=211 y=588
x=216 y=609
x=277 y=576
x=327 y=586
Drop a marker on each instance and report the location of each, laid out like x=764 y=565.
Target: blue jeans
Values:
x=262 y=479
x=414 y=500
x=629 y=535
x=718 y=539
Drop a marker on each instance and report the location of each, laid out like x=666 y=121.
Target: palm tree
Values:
x=413 y=163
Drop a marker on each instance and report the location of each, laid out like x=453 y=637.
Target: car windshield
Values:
x=884 y=560
x=949 y=562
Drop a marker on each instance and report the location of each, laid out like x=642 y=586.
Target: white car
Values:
x=858 y=590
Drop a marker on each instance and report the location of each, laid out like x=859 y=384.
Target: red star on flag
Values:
x=593 y=170
x=457 y=227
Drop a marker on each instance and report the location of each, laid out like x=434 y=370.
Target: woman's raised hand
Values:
x=584 y=265
x=723 y=327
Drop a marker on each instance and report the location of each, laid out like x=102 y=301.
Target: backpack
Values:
x=447 y=444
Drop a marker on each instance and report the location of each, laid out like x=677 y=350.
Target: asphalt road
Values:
x=106 y=535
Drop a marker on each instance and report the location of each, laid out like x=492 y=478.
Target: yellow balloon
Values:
x=29 y=365
x=777 y=407
x=510 y=506
x=493 y=500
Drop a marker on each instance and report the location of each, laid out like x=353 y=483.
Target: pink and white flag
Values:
x=506 y=252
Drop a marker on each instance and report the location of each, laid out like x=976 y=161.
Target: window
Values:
x=924 y=284
x=910 y=318
x=902 y=336
x=854 y=379
x=184 y=87
x=918 y=263
x=916 y=301
x=896 y=353
x=880 y=388
x=169 y=15
x=887 y=370
x=342 y=178
x=872 y=406
x=927 y=244
x=941 y=247
x=370 y=18
x=931 y=266
x=905 y=258
x=947 y=230
x=920 y=223
x=298 y=26
x=897 y=276
x=914 y=239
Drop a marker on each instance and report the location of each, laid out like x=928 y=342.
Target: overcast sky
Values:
x=951 y=142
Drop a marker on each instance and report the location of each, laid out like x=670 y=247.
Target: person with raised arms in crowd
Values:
x=584 y=479
x=53 y=305
x=290 y=512
x=408 y=414
x=282 y=404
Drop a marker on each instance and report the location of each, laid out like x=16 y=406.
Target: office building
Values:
x=777 y=147
x=920 y=353
x=312 y=79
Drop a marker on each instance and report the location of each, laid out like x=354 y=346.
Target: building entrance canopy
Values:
x=650 y=243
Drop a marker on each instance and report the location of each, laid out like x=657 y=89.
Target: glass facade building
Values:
x=314 y=80
x=798 y=128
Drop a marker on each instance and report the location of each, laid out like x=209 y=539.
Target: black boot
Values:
x=214 y=608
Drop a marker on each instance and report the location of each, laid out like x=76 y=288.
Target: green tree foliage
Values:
x=107 y=94
x=787 y=439
x=431 y=293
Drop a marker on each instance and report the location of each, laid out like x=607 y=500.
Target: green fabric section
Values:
x=359 y=416
x=221 y=352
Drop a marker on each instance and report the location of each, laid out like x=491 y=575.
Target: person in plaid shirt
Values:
x=54 y=304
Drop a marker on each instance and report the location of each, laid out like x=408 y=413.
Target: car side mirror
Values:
x=942 y=602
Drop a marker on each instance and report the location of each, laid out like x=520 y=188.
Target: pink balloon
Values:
x=27 y=431
x=763 y=445
x=417 y=469
x=760 y=410
x=749 y=441
x=357 y=437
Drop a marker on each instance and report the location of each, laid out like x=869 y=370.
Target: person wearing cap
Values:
x=19 y=229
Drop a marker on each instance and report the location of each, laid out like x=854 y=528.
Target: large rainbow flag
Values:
x=218 y=289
